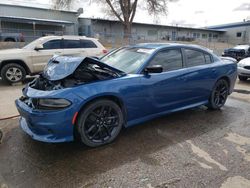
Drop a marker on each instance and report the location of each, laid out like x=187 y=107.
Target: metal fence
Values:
x=115 y=40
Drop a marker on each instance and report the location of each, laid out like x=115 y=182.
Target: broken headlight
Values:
x=52 y=104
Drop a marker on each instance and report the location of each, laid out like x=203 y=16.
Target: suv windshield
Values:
x=127 y=59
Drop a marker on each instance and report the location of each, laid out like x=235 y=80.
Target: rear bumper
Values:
x=51 y=127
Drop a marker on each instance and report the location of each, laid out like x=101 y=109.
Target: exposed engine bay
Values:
x=88 y=70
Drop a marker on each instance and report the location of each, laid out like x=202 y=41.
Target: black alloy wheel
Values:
x=219 y=95
x=100 y=123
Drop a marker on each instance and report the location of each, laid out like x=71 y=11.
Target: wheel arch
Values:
x=225 y=78
x=17 y=61
x=111 y=97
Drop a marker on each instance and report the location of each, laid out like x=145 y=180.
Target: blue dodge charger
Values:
x=92 y=99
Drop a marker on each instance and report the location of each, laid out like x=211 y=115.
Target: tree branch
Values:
x=133 y=9
x=113 y=10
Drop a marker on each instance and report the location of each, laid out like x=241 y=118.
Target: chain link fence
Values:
x=112 y=40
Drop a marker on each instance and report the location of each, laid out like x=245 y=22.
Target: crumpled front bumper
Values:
x=48 y=126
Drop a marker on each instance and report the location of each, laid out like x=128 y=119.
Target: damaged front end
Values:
x=64 y=72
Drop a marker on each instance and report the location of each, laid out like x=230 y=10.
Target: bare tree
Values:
x=124 y=10
x=62 y=4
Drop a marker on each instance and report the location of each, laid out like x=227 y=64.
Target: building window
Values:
x=215 y=36
x=152 y=32
x=204 y=36
x=238 y=34
x=196 y=35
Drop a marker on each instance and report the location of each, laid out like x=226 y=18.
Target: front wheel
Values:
x=13 y=73
x=100 y=123
x=219 y=95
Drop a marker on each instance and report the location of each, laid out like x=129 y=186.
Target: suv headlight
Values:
x=52 y=104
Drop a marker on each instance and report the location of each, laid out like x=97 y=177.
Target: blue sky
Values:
x=192 y=13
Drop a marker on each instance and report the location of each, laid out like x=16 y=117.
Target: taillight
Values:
x=104 y=51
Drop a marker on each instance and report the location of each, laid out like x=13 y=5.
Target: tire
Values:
x=219 y=95
x=242 y=78
x=100 y=123
x=13 y=73
x=9 y=40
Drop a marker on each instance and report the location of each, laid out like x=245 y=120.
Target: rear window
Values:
x=194 y=58
x=71 y=43
x=208 y=58
x=88 y=44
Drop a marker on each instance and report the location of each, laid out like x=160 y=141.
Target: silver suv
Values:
x=15 y=64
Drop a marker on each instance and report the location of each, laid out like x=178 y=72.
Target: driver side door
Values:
x=166 y=91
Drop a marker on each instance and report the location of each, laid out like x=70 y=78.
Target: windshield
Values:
x=127 y=59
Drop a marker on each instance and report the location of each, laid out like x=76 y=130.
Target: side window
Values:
x=88 y=44
x=71 y=43
x=169 y=59
x=208 y=58
x=194 y=58
x=53 y=44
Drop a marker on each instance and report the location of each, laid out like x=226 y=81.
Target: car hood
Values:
x=245 y=62
x=12 y=51
x=60 y=67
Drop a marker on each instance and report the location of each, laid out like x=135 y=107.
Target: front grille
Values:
x=247 y=67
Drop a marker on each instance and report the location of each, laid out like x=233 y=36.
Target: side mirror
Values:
x=38 y=47
x=153 y=69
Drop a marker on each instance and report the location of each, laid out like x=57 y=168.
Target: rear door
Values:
x=167 y=90
x=199 y=74
x=92 y=48
x=72 y=47
x=41 y=57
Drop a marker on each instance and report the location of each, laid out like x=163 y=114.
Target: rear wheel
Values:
x=100 y=123
x=13 y=73
x=242 y=78
x=219 y=95
x=9 y=40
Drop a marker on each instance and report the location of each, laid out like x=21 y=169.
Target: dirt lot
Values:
x=193 y=148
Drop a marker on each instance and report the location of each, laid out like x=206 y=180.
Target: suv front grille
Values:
x=247 y=67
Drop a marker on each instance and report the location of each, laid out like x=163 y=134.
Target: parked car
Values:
x=238 y=52
x=15 y=64
x=244 y=69
x=11 y=37
x=90 y=99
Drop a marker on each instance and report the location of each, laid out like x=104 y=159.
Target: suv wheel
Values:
x=13 y=73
